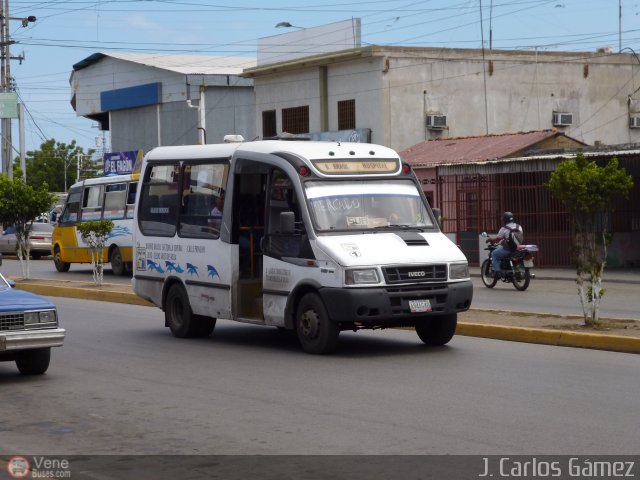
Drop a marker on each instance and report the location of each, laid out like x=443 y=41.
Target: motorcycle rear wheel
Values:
x=522 y=277
x=487 y=274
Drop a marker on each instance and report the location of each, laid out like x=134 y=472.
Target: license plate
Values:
x=418 y=306
x=528 y=263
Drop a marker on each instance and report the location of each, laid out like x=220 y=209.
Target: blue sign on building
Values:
x=121 y=163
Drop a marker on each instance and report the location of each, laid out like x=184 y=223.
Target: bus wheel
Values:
x=34 y=362
x=60 y=265
x=316 y=332
x=117 y=265
x=181 y=320
x=437 y=330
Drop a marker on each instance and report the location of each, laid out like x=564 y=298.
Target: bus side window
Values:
x=69 y=215
x=131 y=198
x=92 y=203
x=114 y=201
x=159 y=200
x=283 y=198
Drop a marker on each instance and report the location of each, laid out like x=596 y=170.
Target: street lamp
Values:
x=287 y=25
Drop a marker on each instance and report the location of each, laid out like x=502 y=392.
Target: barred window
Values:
x=295 y=120
x=269 y=124
x=346 y=115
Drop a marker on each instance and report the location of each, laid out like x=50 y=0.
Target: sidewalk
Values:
x=496 y=324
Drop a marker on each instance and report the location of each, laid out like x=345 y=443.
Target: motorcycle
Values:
x=516 y=267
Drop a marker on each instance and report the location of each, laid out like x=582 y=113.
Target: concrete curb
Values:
x=96 y=293
x=563 y=338
x=497 y=332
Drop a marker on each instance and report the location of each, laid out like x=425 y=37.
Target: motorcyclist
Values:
x=503 y=250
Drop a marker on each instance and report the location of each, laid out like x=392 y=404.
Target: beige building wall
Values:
x=395 y=88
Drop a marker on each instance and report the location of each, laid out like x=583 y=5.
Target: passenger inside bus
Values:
x=215 y=220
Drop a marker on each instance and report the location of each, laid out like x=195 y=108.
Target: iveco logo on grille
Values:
x=416 y=274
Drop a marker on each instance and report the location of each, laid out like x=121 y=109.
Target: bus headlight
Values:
x=458 y=270
x=361 y=276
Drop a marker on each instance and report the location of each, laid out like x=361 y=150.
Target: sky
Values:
x=66 y=32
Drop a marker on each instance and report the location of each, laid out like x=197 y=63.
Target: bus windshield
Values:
x=345 y=205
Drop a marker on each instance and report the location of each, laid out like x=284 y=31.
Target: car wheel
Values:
x=60 y=265
x=34 y=362
x=437 y=330
x=316 y=332
x=36 y=256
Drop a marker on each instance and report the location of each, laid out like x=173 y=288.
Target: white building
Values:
x=147 y=100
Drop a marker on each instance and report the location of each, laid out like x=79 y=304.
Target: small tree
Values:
x=20 y=204
x=94 y=233
x=588 y=190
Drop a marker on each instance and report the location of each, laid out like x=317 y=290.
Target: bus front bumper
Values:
x=392 y=305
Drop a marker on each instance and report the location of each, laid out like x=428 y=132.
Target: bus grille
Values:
x=415 y=274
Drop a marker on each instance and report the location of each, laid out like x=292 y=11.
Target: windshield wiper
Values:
x=412 y=228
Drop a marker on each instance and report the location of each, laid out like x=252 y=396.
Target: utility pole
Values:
x=6 y=83
x=5 y=73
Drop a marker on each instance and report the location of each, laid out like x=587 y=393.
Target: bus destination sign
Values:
x=348 y=167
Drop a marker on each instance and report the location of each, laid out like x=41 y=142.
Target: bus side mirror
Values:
x=287 y=222
x=438 y=214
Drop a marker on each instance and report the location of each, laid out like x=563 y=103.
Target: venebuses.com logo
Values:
x=18 y=467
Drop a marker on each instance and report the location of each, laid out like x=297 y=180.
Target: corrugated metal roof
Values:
x=446 y=151
x=532 y=163
x=184 y=64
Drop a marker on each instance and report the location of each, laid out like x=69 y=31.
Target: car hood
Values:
x=13 y=299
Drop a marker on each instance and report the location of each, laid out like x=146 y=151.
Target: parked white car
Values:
x=39 y=240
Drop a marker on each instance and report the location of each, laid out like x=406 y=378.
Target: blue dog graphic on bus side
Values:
x=172 y=267
x=192 y=270
x=212 y=272
x=154 y=266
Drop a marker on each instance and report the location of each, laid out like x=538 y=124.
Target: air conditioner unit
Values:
x=634 y=121
x=436 y=121
x=561 y=119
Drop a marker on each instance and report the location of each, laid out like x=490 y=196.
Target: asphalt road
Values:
x=557 y=297
x=123 y=385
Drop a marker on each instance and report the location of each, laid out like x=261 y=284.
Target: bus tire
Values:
x=59 y=264
x=316 y=332
x=117 y=265
x=437 y=330
x=179 y=316
x=34 y=362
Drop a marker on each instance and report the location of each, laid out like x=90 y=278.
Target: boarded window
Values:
x=346 y=115
x=295 y=120
x=269 y=124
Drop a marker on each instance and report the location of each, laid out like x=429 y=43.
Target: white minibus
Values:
x=314 y=237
